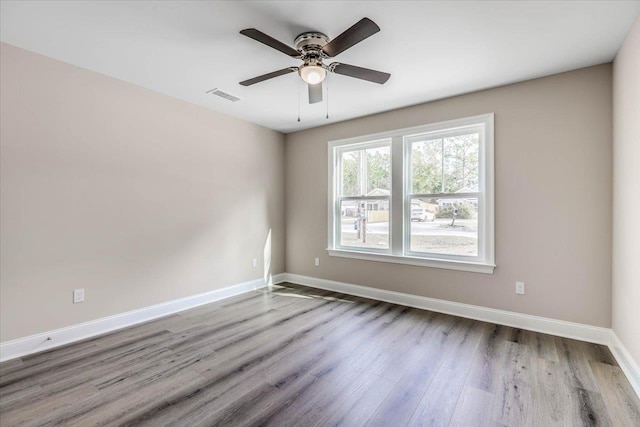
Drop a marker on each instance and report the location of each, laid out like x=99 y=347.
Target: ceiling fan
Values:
x=312 y=48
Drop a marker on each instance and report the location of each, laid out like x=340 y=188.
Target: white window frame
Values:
x=345 y=148
x=400 y=199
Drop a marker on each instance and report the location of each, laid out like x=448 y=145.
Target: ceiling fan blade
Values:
x=270 y=41
x=315 y=93
x=268 y=76
x=359 y=31
x=359 y=72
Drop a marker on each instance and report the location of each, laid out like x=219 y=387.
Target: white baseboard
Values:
x=545 y=325
x=627 y=364
x=58 y=337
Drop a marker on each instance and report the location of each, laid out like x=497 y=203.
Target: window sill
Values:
x=423 y=262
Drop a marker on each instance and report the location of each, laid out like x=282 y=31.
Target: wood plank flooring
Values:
x=296 y=356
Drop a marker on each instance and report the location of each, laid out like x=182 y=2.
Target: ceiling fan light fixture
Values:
x=313 y=74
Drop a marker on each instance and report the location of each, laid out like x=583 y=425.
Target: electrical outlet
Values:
x=520 y=288
x=255 y=263
x=78 y=296
x=317 y=262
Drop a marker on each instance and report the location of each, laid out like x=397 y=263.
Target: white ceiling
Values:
x=432 y=49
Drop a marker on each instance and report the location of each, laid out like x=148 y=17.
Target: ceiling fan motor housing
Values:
x=310 y=45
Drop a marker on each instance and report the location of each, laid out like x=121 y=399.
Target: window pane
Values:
x=461 y=163
x=426 y=166
x=351 y=171
x=378 y=171
x=365 y=223
x=445 y=165
x=445 y=226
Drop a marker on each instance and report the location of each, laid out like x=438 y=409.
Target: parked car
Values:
x=422 y=214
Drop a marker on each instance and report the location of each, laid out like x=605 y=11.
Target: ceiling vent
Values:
x=223 y=94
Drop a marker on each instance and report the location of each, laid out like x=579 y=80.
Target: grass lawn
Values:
x=454 y=245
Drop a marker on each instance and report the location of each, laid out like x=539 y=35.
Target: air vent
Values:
x=223 y=94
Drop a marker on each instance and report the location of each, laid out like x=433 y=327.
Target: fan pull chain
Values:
x=327 y=101
x=298 y=102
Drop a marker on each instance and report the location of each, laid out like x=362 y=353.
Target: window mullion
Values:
x=363 y=172
x=396 y=226
x=442 y=165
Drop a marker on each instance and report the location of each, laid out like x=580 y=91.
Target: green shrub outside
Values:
x=464 y=212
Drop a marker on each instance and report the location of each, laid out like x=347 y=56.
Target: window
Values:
x=421 y=196
x=364 y=195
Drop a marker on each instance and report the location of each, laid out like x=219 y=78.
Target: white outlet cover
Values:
x=78 y=296
x=255 y=262
x=520 y=288
x=317 y=262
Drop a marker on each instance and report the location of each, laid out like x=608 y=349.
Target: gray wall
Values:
x=135 y=196
x=626 y=193
x=553 y=155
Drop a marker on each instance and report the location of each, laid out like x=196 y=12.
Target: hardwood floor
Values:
x=299 y=356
